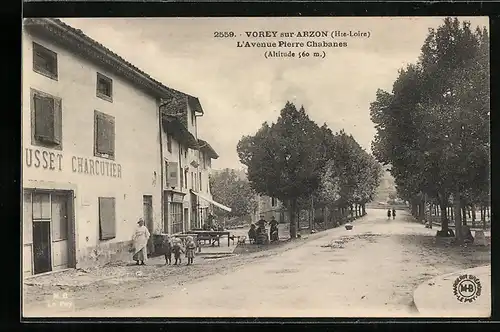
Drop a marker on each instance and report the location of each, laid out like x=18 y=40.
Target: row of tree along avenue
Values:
x=433 y=128
x=298 y=162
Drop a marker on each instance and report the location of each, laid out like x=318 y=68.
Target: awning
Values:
x=219 y=205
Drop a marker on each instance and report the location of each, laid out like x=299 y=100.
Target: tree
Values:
x=285 y=159
x=233 y=192
x=434 y=126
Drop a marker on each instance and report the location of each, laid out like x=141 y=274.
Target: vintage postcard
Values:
x=256 y=167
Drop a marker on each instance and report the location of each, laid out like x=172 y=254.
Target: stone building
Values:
x=100 y=141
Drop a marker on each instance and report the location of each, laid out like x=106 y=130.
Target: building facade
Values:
x=93 y=153
x=271 y=207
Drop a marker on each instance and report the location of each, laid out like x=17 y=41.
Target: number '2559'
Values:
x=223 y=34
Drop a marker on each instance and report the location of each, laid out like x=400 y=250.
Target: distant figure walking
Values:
x=389 y=214
x=393 y=213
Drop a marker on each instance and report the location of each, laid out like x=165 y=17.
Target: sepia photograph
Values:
x=256 y=167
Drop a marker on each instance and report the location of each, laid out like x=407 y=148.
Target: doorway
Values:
x=50 y=244
x=41 y=246
x=186 y=219
x=147 y=202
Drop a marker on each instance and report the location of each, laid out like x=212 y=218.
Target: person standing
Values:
x=190 y=248
x=177 y=250
x=389 y=214
x=393 y=213
x=167 y=248
x=140 y=239
x=274 y=229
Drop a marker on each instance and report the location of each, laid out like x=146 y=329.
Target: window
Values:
x=185 y=152
x=176 y=217
x=169 y=143
x=273 y=201
x=104 y=135
x=44 y=61
x=104 y=87
x=172 y=174
x=201 y=187
x=186 y=178
x=107 y=218
x=193 y=118
x=46 y=120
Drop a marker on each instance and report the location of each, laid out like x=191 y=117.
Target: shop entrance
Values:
x=48 y=231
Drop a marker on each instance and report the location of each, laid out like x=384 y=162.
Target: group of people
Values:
x=212 y=224
x=258 y=234
x=391 y=213
x=171 y=246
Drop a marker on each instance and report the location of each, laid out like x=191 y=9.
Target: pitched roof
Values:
x=204 y=146
x=78 y=41
x=177 y=129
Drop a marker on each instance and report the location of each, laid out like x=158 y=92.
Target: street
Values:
x=370 y=271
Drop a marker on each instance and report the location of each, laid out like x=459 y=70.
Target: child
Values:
x=190 y=248
x=177 y=250
x=167 y=247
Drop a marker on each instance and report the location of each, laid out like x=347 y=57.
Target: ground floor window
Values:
x=107 y=218
x=176 y=217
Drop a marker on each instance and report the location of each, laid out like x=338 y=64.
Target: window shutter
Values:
x=58 y=122
x=107 y=218
x=44 y=118
x=173 y=174
x=105 y=135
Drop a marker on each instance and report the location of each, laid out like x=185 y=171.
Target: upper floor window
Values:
x=273 y=201
x=46 y=120
x=44 y=61
x=169 y=143
x=104 y=135
x=104 y=87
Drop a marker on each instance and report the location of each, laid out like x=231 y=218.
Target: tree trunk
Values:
x=483 y=217
x=293 y=218
x=414 y=208
x=473 y=212
x=481 y=209
x=444 y=217
x=421 y=210
x=488 y=212
x=363 y=209
x=452 y=213
x=457 y=205
x=464 y=215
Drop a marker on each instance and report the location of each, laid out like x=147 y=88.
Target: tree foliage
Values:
x=236 y=193
x=295 y=160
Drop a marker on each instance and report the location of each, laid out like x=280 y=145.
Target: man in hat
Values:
x=140 y=240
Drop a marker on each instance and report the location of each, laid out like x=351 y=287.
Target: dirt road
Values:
x=369 y=271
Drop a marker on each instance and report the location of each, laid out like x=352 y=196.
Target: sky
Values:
x=240 y=89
